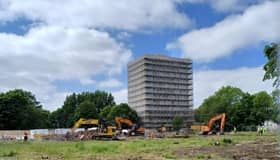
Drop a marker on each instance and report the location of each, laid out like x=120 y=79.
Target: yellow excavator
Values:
x=103 y=131
x=209 y=128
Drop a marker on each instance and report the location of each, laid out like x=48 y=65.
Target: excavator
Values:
x=103 y=131
x=209 y=128
x=135 y=129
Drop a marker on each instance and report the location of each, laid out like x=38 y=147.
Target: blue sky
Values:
x=56 y=48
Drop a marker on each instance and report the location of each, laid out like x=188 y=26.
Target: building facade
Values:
x=160 y=88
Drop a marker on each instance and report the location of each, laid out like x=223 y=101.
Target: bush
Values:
x=9 y=154
x=227 y=141
x=177 y=123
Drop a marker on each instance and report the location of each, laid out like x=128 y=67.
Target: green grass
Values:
x=149 y=148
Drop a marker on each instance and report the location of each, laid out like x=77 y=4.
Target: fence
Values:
x=32 y=134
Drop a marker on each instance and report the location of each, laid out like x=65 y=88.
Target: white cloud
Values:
x=257 y=24
x=226 y=5
x=46 y=54
x=66 y=43
x=230 y=5
x=206 y=83
x=44 y=91
x=121 y=14
x=87 y=81
x=110 y=83
x=53 y=100
x=123 y=36
x=120 y=96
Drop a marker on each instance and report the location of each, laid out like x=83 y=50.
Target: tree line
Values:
x=20 y=110
x=243 y=110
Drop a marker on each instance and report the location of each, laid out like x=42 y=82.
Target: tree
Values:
x=66 y=115
x=105 y=112
x=276 y=96
x=276 y=102
x=272 y=67
x=20 y=110
x=224 y=100
x=241 y=117
x=57 y=119
x=177 y=123
x=264 y=108
x=86 y=110
x=242 y=109
x=122 y=110
x=100 y=99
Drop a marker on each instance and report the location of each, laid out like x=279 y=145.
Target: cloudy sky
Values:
x=54 y=48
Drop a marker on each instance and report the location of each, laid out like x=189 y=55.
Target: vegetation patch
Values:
x=9 y=154
x=169 y=156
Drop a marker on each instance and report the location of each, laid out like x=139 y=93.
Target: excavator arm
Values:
x=120 y=121
x=135 y=129
x=223 y=123
x=212 y=121
x=209 y=127
x=84 y=121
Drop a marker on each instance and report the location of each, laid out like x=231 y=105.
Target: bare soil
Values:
x=265 y=149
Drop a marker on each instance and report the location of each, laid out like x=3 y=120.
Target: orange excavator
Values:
x=209 y=128
x=135 y=129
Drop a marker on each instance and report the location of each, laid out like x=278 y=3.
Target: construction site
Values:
x=96 y=140
x=160 y=91
x=139 y=79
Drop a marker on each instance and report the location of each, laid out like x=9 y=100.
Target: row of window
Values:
x=167 y=62
x=166 y=112
x=148 y=76
x=160 y=85
x=166 y=74
x=177 y=91
x=167 y=96
x=189 y=104
x=155 y=65
x=159 y=97
x=165 y=118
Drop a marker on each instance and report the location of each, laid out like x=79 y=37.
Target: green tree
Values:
x=276 y=96
x=242 y=109
x=276 y=102
x=66 y=115
x=224 y=100
x=122 y=110
x=57 y=119
x=264 y=108
x=272 y=68
x=177 y=123
x=105 y=112
x=241 y=117
x=86 y=110
x=100 y=99
x=20 y=110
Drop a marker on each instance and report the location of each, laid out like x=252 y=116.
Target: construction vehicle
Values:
x=102 y=130
x=209 y=128
x=135 y=129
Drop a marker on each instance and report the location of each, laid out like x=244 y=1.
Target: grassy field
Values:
x=195 y=147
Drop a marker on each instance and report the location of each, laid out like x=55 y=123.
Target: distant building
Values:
x=160 y=88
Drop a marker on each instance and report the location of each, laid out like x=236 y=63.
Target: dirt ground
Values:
x=266 y=149
x=238 y=146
